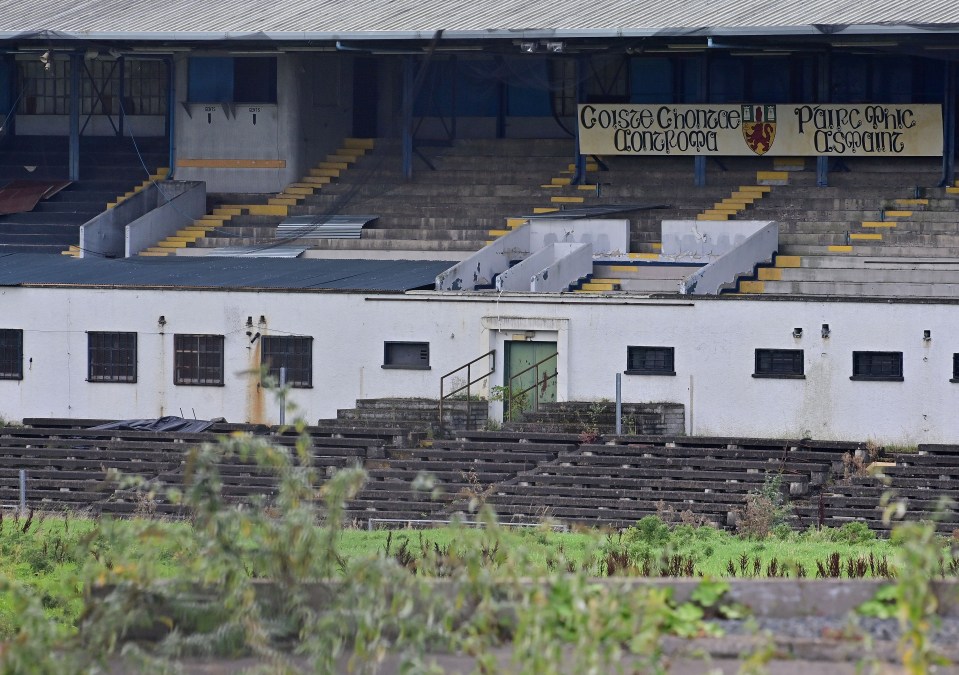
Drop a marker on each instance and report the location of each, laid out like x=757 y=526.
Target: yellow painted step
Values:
x=911 y=202
x=586 y=186
x=763 y=189
x=788 y=261
x=770 y=274
x=339 y=166
x=316 y=180
x=730 y=203
x=865 y=236
x=284 y=201
x=772 y=176
x=746 y=196
x=515 y=222
x=839 y=249
x=212 y=221
x=656 y=245
x=498 y=233
x=181 y=238
x=567 y=200
x=552 y=186
x=952 y=190
x=593 y=287
x=197 y=228
x=332 y=173
x=360 y=143
x=787 y=163
x=342 y=157
x=751 y=286
x=163 y=171
x=166 y=243
x=713 y=216
x=622 y=268
x=898 y=214
x=590 y=166
x=299 y=189
x=561 y=181
x=267 y=209
x=228 y=211
x=644 y=256
x=719 y=207
x=153 y=254
x=879 y=223
x=545 y=209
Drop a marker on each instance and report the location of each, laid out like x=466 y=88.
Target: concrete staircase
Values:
x=476 y=191
x=875 y=231
x=109 y=168
x=411 y=414
x=237 y=220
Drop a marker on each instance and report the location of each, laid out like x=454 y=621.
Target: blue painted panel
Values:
x=477 y=88
x=7 y=78
x=651 y=80
x=210 y=79
x=726 y=79
x=770 y=80
x=527 y=91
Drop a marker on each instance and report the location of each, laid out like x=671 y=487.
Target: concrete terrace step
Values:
x=899 y=251
x=868 y=289
x=884 y=262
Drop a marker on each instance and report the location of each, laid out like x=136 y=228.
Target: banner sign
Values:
x=781 y=129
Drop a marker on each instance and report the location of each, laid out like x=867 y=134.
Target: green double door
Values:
x=531 y=363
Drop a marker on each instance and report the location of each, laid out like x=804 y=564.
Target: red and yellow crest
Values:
x=759 y=127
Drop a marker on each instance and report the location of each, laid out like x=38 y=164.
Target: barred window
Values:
x=11 y=354
x=198 y=360
x=291 y=352
x=409 y=355
x=650 y=361
x=784 y=363
x=112 y=357
x=877 y=366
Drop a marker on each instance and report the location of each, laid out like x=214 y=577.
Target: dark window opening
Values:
x=955 y=368
x=877 y=366
x=231 y=79
x=198 y=360
x=291 y=352
x=411 y=355
x=650 y=361
x=112 y=357
x=11 y=354
x=784 y=363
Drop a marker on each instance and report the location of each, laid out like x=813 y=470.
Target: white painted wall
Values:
x=714 y=340
x=313 y=113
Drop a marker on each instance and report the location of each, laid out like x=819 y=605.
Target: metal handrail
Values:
x=508 y=411
x=469 y=382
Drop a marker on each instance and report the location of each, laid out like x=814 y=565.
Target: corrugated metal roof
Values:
x=21 y=269
x=337 y=19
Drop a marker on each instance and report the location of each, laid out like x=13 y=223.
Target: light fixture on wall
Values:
x=162 y=320
x=926 y=335
x=797 y=332
x=249 y=322
x=528 y=47
x=556 y=47
x=825 y=330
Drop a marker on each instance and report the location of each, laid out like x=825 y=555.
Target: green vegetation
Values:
x=270 y=579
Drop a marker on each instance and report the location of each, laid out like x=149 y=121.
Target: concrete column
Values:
x=408 y=117
x=75 y=63
x=823 y=90
x=949 y=125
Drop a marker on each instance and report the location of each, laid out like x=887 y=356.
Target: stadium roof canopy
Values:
x=331 y=20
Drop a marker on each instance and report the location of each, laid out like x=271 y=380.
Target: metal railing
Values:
x=470 y=381
x=511 y=395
